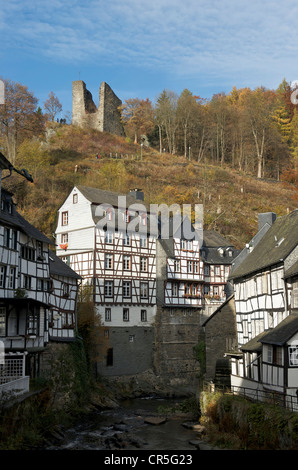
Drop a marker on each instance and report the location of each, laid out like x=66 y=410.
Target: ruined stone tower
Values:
x=85 y=114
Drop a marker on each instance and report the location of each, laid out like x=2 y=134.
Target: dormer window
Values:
x=109 y=214
x=144 y=219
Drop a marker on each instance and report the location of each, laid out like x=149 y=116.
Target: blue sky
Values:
x=141 y=47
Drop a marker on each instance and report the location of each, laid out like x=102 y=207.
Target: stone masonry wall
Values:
x=85 y=114
x=220 y=336
x=176 y=334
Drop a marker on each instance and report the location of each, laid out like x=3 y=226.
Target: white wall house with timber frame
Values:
x=119 y=264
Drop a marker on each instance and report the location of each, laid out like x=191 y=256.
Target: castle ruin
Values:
x=85 y=114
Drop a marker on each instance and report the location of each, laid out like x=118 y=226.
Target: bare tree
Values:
x=52 y=106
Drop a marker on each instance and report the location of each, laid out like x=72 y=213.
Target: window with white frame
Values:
x=126 y=239
x=126 y=289
x=177 y=265
x=2 y=276
x=126 y=262
x=175 y=289
x=143 y=241
x=65 y=218
x=39 y=249
x=143 y=264
x=189 y=266
x=143 y=315
x=207 y=270
x=187 y=289
x=144 y=290
x=126 y=314
x=2 y=321
x=14 y=239
x=293 y=355
x=108 y=314
x=108 y=261
x=64 y=237
x=196 y=267
x=109 y=237
x=12 y=278
x=27 y=282
x=75 y=198
x=108 y=288
x=6 y=237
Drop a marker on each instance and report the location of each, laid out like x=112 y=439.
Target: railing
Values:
x=12 y=369
x=266 y=396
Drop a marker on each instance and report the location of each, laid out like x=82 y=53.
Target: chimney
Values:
x=266 y=218
x=137 y=193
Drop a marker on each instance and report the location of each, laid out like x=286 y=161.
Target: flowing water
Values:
x=126 y=428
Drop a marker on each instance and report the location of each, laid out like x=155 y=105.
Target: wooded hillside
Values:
x=68 y=155
x=237 y=154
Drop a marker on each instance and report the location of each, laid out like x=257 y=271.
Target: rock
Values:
x=199 y=428
x=195 y=443
x=155 y=420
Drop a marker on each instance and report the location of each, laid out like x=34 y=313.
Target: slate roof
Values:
x=254 y=345
x=4 y=163
x=58 y=267
x=282 y=332
x=212 y=242
x=100 y=196
x=16 y=220
x=292 y=271
x=273 y=248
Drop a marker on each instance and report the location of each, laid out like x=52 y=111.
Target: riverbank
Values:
x=148 y=423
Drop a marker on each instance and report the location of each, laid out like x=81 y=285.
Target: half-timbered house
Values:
x=105 y=238
x=264 y=285
x=29 y=292
x=217 y=255
x=63 y=295
x=24 y=284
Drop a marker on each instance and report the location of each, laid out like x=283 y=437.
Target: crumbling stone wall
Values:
x=85 y=114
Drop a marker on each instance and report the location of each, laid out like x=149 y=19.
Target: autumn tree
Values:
x=52 y=106
x=137 y=117
x=186 y=110
x=19 y=118
x=166 y=118
x=259 y=106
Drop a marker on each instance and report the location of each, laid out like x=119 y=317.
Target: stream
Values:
x=126 y=428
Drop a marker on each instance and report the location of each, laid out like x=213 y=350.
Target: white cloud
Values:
x=185 y=38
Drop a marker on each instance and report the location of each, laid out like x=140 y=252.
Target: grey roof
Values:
x=292 y=271
x=211 y=238
x=282 y=332
x=16 y=220
x=4 y=163
x=101 y=196
x=254 y=344
x=212 y=243
x=273 y=248
x=58 y=267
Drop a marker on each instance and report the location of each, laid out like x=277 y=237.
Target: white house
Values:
x=106 y=239
x=29 y=293
x=264 y=299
